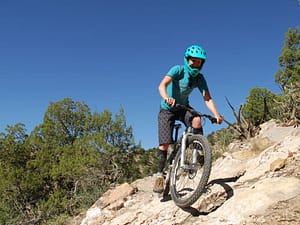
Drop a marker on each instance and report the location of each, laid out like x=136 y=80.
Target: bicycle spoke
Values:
x=187 y=179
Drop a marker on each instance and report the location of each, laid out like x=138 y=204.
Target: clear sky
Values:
x=112 y=54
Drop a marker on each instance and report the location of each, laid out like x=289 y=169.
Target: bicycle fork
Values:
x=184 y=141
x=195 y=152
x=183 y=147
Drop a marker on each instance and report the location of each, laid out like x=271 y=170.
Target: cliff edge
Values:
x=255 y=182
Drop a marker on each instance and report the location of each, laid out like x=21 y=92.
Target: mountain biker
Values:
x=176 y=87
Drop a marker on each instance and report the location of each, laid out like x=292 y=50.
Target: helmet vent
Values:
x=195 y=51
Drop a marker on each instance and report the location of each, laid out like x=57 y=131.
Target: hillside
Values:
x=257 y=182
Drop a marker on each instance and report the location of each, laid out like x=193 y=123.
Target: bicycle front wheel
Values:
x=188 y=182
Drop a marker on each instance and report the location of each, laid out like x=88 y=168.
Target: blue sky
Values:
x=112 y=54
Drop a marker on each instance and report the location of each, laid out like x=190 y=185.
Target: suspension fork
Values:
x=183 y=146
x=185 y=137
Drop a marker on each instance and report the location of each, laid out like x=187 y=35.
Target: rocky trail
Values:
x=257 y=182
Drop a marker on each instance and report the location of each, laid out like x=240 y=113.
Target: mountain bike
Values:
x=188 y=164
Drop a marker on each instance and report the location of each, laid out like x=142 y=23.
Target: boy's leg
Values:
x=165 y=123
x=196 y=123
x=161 y=161
x=198 y=131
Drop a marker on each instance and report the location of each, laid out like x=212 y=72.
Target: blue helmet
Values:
x=194 y=51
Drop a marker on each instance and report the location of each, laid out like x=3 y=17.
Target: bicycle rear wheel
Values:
x=188 y=183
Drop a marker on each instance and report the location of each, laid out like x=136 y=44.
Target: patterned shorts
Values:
x=166 y=121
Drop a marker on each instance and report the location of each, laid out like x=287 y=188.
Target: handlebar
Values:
x=194 y=112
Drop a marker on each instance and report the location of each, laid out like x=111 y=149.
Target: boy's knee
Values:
x=196 y=122
x=164 y=147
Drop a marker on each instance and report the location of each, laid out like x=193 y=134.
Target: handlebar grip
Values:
x=214 y=120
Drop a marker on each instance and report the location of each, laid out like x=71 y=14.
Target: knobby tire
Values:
x=206 y=169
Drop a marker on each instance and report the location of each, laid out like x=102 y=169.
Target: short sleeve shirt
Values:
x=182 y=85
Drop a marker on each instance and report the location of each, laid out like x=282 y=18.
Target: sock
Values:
x=161 y=160
x=198 y=130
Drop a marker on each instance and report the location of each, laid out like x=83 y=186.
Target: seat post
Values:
x=177 y=127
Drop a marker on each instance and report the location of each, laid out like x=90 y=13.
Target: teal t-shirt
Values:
x=182 y=85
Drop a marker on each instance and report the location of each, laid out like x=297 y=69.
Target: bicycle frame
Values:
x=188 y=133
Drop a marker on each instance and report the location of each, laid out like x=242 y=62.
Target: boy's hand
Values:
x=170 y=101
x=219 y=119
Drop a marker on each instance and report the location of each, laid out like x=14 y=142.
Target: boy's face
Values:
x=195 y=62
